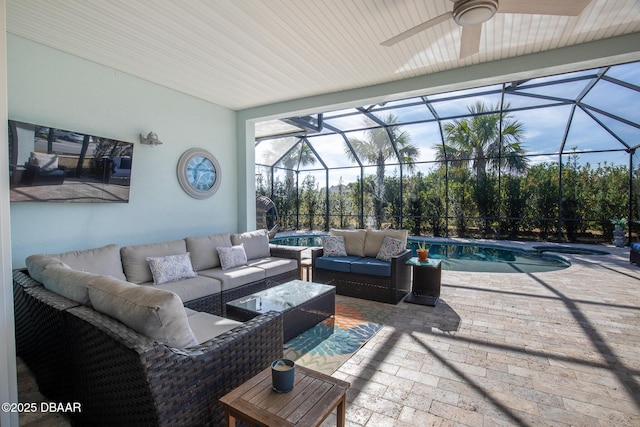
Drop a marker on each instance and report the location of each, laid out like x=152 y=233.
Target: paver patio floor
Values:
x=544 y=349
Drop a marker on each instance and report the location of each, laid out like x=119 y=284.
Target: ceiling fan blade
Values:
x=544 y=7
x=415 y=30
x=470 y=40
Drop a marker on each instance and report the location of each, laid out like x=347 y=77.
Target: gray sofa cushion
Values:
x=274 y=266
x=235 y=277
x=156 y=313
x=206 y=326
x=134 y=258
x=256 y=243
x=37 y=263
x=204 y=253
x=69 y=283
x=192 y=289
x=104 y=261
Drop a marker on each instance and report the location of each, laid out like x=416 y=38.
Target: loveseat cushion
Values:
x=192 y=289
x=37 y=263
x=156 y=313
x=353 y=240
x=134 y=258
x=375 y=238
x=371 y=267
x=204 y=250
x=256 y=243
x=339 y=263
x=274 y=266
x=69 y=283
x=104 y=261
x=235 y=277
x=206 y=326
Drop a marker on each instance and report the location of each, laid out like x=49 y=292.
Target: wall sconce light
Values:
x=151 y=139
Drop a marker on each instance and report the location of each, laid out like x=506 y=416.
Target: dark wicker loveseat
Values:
x=374 y=267
x=121 y=377
x=390 y=289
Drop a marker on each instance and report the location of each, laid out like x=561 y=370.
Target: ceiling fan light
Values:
x=467 y=13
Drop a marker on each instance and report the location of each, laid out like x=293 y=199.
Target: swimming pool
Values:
x=458 y=256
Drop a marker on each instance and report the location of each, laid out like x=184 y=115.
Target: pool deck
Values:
x=557 y=348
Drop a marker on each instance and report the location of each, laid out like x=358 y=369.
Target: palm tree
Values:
x=380 y=144
x=298 y=156
x=490 y=140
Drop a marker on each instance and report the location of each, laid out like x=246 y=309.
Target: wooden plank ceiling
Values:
x=245 y=53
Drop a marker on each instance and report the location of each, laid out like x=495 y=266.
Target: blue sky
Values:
x=544 y=128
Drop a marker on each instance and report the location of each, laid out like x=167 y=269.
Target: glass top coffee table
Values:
x=302 y=304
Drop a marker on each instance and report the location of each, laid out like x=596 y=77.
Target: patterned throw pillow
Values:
x=333 y=246
x=232 y=256
x=171 y=268
x=390 y=248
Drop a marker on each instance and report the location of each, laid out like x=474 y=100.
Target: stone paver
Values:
x=544 y=349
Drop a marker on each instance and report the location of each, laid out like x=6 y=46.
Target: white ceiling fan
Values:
x=471 y=14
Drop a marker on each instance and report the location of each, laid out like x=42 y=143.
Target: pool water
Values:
x=464 y=256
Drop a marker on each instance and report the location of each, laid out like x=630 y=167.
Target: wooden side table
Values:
x=313 y=398
x=427 y=278
x=305 y=269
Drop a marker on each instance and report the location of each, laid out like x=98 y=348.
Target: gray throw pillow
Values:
x=233 y=256
x=171 y=268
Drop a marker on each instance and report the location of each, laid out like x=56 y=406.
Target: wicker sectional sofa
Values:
x=94 y=331
x=361 y=274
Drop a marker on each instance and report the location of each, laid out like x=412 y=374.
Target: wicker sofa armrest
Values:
x=401 y=258
x=122 y=377
x=316 y=253
x=400 y=271
x=284 y=251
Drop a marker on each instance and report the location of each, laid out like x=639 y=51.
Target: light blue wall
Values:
x=48 y=87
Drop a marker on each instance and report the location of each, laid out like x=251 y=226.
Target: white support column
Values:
x=8 y=378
